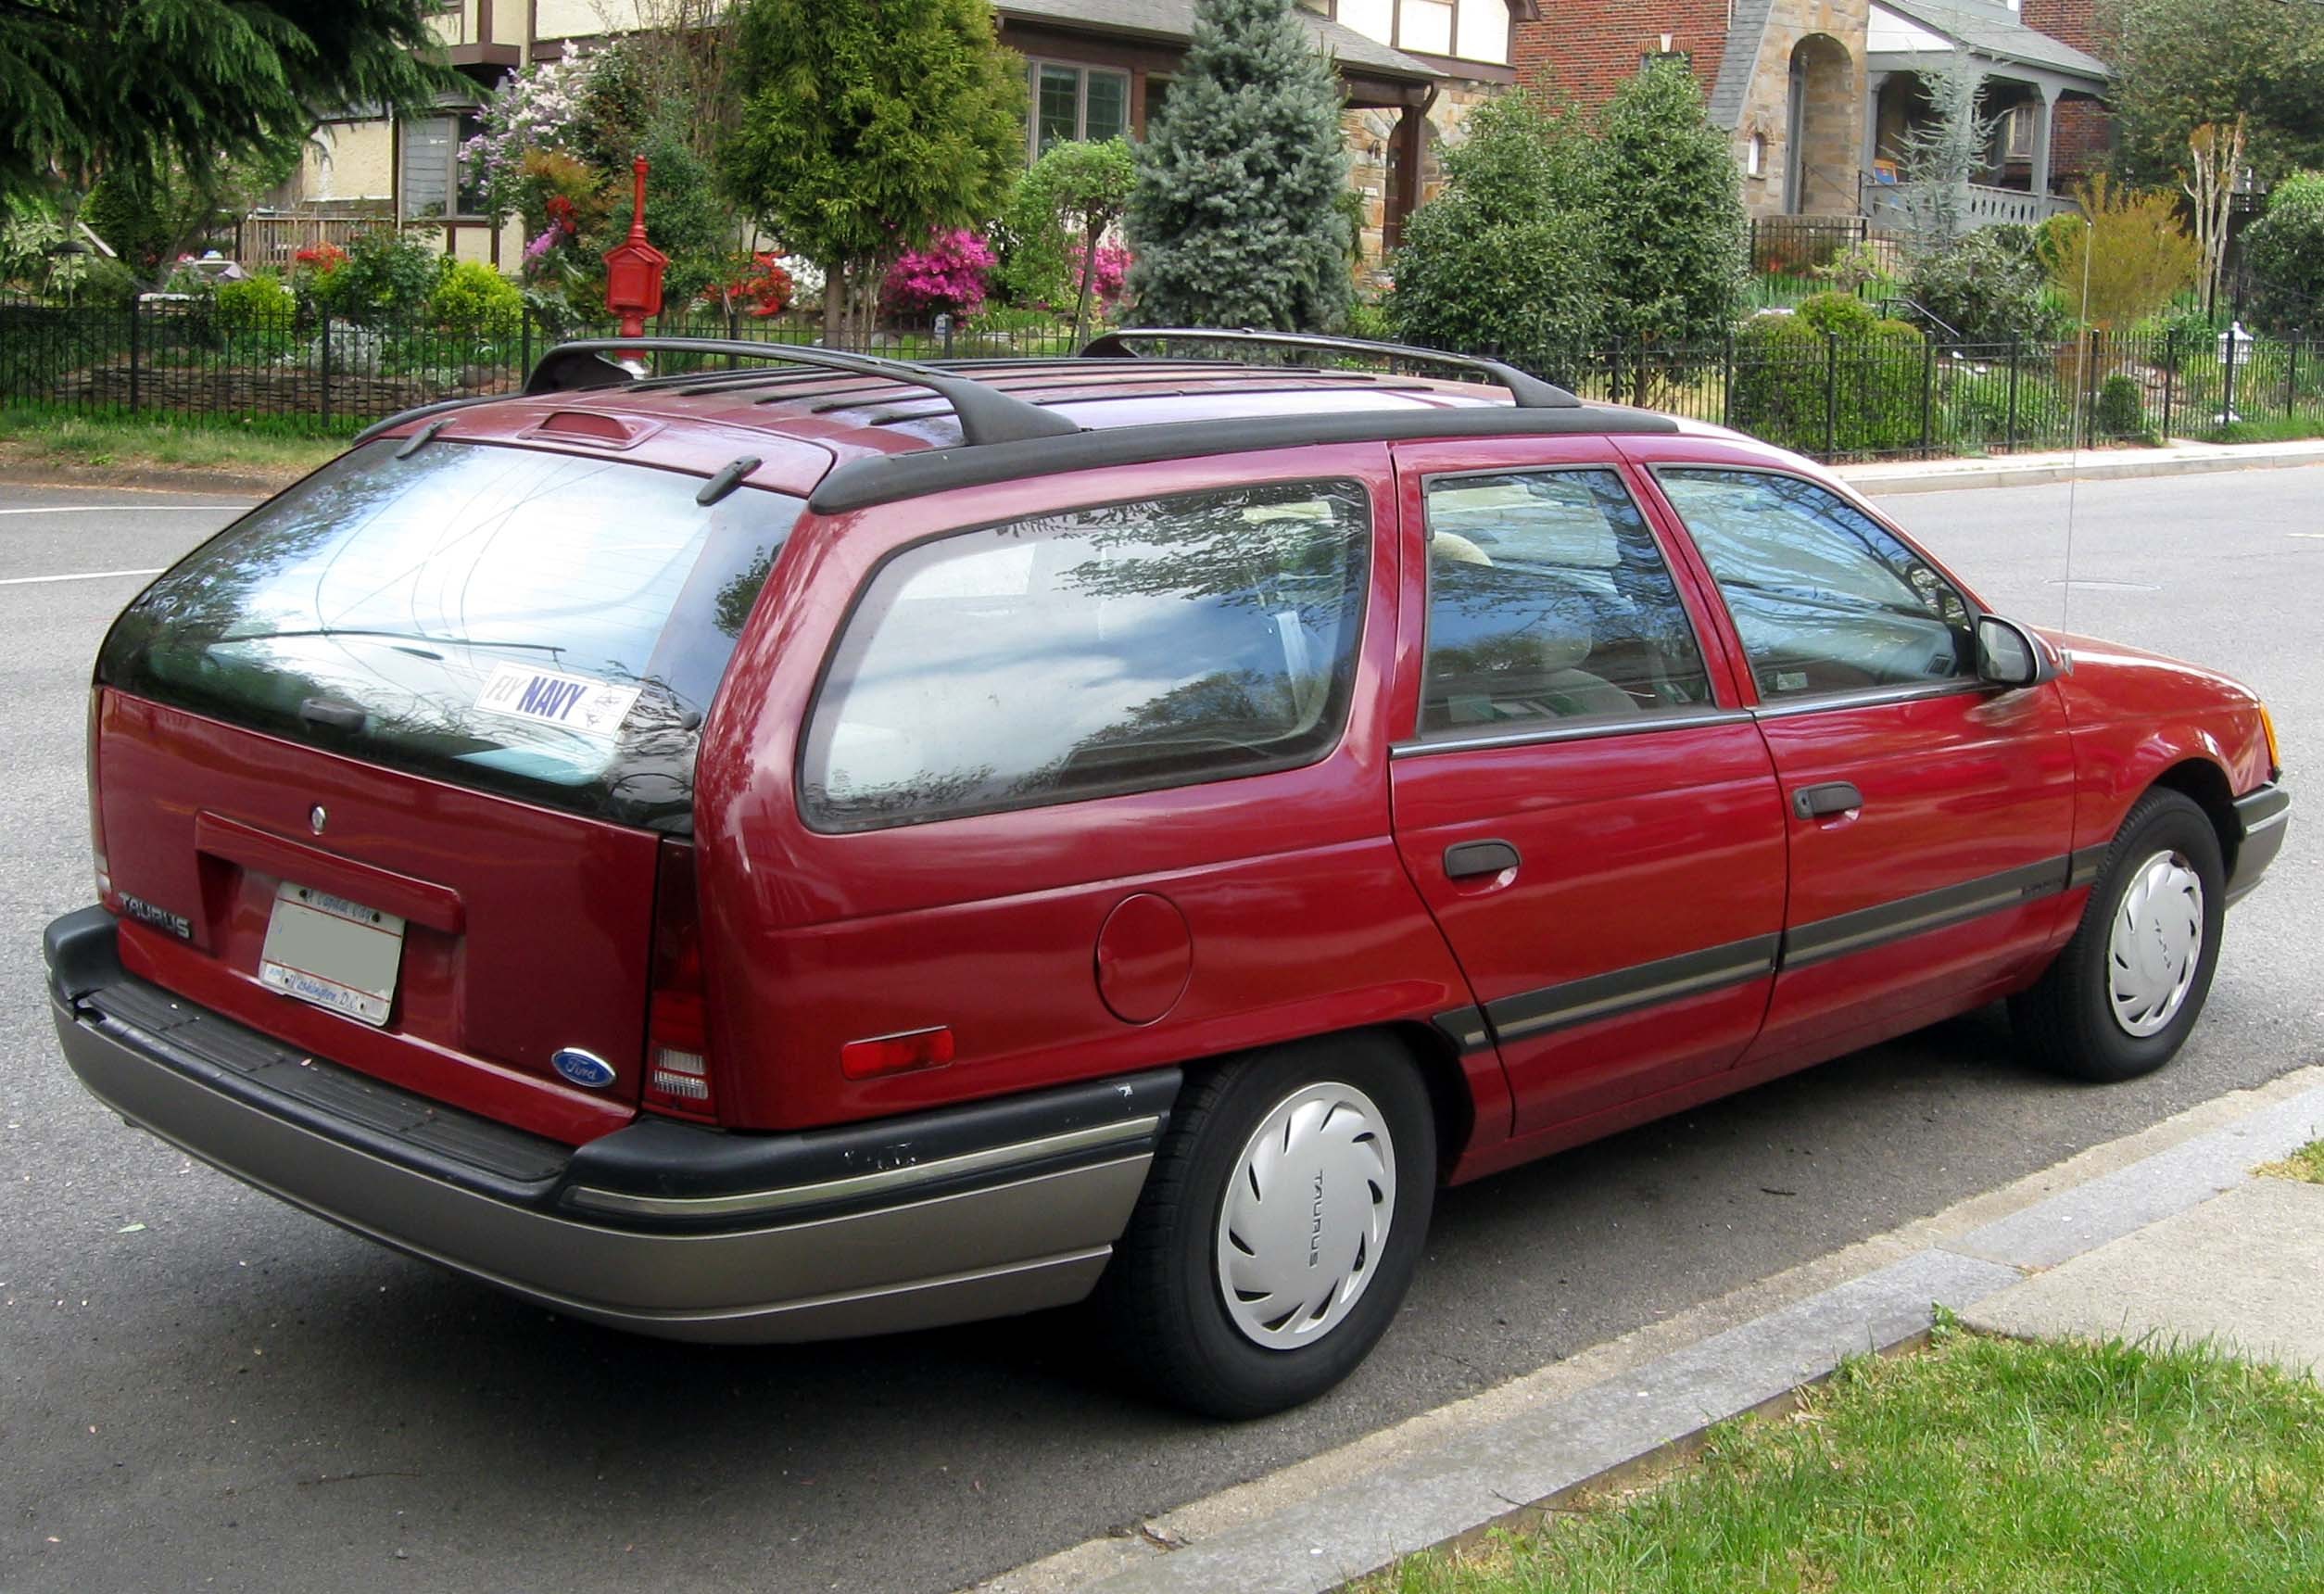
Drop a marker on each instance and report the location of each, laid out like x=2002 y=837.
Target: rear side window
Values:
x=1092 y=653
x=532 y=623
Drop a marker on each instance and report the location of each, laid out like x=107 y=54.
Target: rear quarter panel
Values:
x=1301 y=917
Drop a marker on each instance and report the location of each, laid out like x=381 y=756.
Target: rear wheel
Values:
x=1278 y=1228
x=2122 y=997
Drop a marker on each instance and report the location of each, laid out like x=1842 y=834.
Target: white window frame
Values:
x=1082 y=72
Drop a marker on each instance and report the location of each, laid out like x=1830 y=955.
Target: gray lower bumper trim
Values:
x=1010 y=1247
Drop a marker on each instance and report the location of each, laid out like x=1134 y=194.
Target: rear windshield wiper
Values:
x=394 y=636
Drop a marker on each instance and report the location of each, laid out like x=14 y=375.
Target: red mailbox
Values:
x=633 y=268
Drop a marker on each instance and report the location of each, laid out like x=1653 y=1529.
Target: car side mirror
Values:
x=2008 y=655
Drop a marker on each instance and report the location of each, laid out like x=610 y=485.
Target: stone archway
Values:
x=1823 y=135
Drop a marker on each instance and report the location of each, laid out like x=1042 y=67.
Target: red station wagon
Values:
x=775 y=854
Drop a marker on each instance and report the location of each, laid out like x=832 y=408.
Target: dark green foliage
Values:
x=865 y=128
x=2120 y=411
x=2181 y=64
x=1673 y=212
x=1831 y=377
x=89 y=87
x=126 y=212
x=1509 y=257
x=388 y=276
x=2284 y=251
x=686 y=216
x=1236 y=217
x=1990 y=286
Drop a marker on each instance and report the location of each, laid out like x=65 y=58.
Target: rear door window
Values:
x=527 y=621
x=1100 y=651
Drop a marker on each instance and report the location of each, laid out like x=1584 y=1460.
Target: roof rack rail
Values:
x=987 y=415
x=1530 y=392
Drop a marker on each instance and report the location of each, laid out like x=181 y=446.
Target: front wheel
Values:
x=2123 y=995
x=1278 y=1228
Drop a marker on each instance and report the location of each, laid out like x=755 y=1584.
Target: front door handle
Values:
x=1817 y=802
x=1473 y=859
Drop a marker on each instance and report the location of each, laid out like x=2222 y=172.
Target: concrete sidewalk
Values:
x=2178 y=458
x=2166 y=1233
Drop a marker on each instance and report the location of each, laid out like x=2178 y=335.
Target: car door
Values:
x=1930 y=815
x=1579 y=795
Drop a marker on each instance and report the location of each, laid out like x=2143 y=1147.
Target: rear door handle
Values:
x=1816 y=802
x=1470 y=859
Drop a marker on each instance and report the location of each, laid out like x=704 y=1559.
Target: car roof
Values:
x=864 y=430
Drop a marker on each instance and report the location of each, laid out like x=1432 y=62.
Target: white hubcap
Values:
x=1306 y=1215
x=2155 y=945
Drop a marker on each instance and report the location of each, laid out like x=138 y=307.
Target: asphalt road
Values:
x=202 y=1388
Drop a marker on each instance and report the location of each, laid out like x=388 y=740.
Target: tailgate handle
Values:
x=1819 y=802
x=337 y=715
x=422 y=902
x=1473 y=859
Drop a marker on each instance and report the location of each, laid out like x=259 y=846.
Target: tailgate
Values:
x=525 y=930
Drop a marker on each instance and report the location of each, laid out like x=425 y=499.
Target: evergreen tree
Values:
x=147 y=88
x=1675 y=255
x=864 y=129
x=1509 y=258
x=1236 y=219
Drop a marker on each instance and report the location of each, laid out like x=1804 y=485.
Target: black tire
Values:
x=2066 y=1022
x=1162 y=1294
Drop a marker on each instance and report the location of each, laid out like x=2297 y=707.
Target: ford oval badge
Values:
x=583 y=1068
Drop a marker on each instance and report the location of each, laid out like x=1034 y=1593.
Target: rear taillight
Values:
x=678 y=1020
x=97 y=811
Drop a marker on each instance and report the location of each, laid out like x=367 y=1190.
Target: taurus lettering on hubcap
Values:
x=1306 y=1213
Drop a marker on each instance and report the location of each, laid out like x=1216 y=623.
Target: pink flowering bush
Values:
x=1106 y=283
x=947 y=277
x=534 y=110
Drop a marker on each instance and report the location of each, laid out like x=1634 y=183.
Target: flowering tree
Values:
x=535 y=112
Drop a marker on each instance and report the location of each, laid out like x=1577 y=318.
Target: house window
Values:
x=1755 y=156
x=1425 y=26
x=1072 y=103
x=432 y=182
x=2018 y=131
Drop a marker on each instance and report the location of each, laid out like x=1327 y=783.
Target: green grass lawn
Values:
x=39 y=438
x=1979 y=1466
x=2306 y=1163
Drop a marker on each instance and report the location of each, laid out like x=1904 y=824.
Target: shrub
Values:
x=754 y=285
x=944 y=277
x=1989 y=286
x=1110 y=277
x=2129 y=262
x=472 y=297
x=133 y=215
x=257 y=303
x=2121 y=411
x=2285 y=253
x=386 y=274
x=1065 y=203
x=1672 y=208
x=1509 y=257
x=106 y=282
x=1829 y=374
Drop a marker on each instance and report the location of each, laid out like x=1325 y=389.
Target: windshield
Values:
x=533 y=623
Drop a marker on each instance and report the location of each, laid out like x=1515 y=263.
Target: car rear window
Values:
x=1100 y=651
x=531 y=622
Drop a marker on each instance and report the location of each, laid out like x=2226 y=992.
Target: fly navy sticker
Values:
x=547 y=697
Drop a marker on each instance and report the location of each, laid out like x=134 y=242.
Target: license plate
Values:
x=332 y=952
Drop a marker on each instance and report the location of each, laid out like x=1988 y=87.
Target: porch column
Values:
x=1873 y=84
x=2045 y=120
x=1404 y=188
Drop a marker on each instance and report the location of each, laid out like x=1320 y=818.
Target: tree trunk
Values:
x=833 y=302
x=1089 y=281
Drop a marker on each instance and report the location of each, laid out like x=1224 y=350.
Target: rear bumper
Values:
x=2265 y=816
x=660 y=1228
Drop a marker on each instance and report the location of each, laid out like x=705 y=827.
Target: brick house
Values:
x=1412 y=70
x=1817 y=95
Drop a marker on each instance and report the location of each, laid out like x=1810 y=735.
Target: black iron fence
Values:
x=1888 y=394
x=333 y=374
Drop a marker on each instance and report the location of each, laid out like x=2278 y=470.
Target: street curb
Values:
x=205 y=484
x=2094 y=468
x=1509 y=1468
